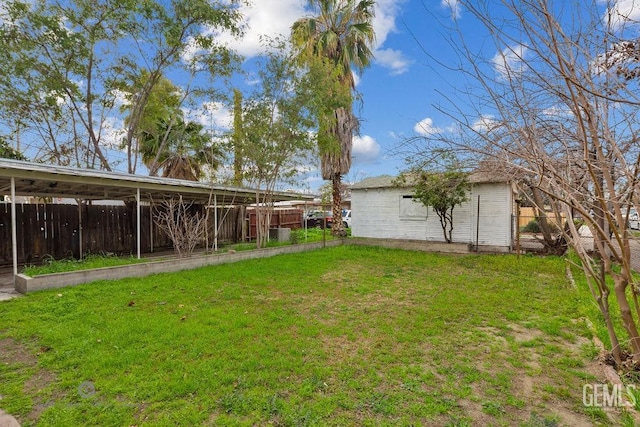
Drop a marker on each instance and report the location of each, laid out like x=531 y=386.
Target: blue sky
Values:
x=401 y=88
x=397 y=90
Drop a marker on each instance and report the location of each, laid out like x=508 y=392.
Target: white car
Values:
x=634 y=220
x=346 y=218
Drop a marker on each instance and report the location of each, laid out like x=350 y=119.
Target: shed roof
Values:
x=36 y=179
x=386 y=181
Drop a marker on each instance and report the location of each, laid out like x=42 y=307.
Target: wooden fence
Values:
x=54 y=230
x=280 y=218
x=528 y=214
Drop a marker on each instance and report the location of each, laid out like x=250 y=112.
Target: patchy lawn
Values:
x=343 y=336
x=49 y=265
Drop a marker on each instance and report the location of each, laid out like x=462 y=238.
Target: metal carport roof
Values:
x=20 y=178
x=36 y=179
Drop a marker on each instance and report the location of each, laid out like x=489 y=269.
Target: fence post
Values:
x=518 y=227
x=138 y=221
x=14 y=235
x=215 y=223
x=478 y=225
x=80 y=229
x=151 y=226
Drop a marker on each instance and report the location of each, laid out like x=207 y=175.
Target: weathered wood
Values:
x=281 y=218
x=53 y=230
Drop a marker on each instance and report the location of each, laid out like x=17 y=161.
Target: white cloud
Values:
x=455 y=7
x=485 y=123
x=557 y=111
x=425 y=127
x=112 y=132
x=120 y=98
x=394 y=60
x=264 y=18
x=622 y=12
x=365 y=149
x=190 y=52
x=211 y=115
x=384 y=23
x=271 y=18
x=509 y=61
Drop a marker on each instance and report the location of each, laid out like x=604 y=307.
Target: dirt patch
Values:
x=474 y=411
x=19 y=358
x=548 y=393
x=495 y=333
x=522 y=334
x=12 y=352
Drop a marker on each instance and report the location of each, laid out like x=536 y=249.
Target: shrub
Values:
x=531 y=227
x=534 y=227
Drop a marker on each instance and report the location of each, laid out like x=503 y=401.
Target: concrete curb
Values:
x=426 y=246
x=413 y=245
x=25 y=284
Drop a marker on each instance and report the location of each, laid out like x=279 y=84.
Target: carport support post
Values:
x=14 y=235
x=215 y=223
x=138 y=220
x=478 y=224
x=518 y=227
x=80 y=228
x=151 y=225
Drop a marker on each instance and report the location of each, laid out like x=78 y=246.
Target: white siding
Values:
x=496 y=214
x=389 y=213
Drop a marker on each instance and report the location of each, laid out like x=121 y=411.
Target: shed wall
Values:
x=390 y=213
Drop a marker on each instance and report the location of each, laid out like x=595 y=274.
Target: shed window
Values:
x=412 y=208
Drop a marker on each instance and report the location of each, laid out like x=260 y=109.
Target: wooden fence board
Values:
x=281 y=218
x=54 y=229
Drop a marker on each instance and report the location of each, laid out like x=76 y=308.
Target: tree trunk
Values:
x=603 y=305
x=449 y=218
x=547 y=237
x=620 y=287
x=337 y=228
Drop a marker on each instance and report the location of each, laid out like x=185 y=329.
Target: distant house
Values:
x=382 y=210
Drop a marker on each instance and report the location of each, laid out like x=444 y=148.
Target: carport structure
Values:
x=19 y=178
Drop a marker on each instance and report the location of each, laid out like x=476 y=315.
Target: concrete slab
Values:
x=6 y=278
x=7 y=420
x=7 y=294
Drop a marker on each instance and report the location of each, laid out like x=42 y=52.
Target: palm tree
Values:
x=341 y=33
x=181 y=149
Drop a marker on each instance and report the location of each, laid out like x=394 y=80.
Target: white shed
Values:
x=383 y=210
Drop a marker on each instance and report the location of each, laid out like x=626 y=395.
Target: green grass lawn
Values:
x=343 y=336
x=49 y=265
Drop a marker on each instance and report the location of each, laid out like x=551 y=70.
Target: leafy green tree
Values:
x=275 y=135
x=342 y=34
x=441 y=191
x=151 y=135
x=179 y=149
x=8 y=152
x=66 y=64
x=237 y=138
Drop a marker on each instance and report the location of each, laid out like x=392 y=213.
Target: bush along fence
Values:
x=55 y=229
